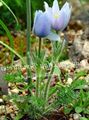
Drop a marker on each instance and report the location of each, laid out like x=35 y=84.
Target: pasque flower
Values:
x=59 y=18
x=42 y=25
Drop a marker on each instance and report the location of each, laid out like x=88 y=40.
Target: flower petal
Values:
x=67 y=13
x=53 y=37
x=46 y=6
x=55 y=8
x=48 y=11
x=58 y=23
x=37 y=14
x=42 y=25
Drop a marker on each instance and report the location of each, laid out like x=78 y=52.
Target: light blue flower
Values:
x=59 y=18
x=42 y=25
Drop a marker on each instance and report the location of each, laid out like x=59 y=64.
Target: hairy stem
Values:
x=48 y=84
x=37 y=85
x=39 y=46
x=38 y=70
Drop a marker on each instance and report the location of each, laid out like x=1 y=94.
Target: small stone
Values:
x=34 y=78
x=85 y=51
x=3 y=83
x=69 y=81
x=15 y=91
x=7 y=54
x=71 y=115
x=23 y=70
x=1 y=47
x=2 y=109
x=76 y=116
x=84 y=64
x=9 y=110
x=66 y=65
x=1 y=101
x=86 y=87
x=70 y=118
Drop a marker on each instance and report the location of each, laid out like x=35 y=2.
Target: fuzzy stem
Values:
x=56 y=41
x=28 y=5
x=48 y=84
x=39 y=46
x=37 y=85
x=38 y=70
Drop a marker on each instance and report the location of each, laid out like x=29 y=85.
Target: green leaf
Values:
x=57 y=71
x=86 y=111
x=80 y=74
x=78 y=109
x=19 y=116
x=78 y=84
x=83 y=118
x=52 y=91
x=67 y=110
x=1 y=4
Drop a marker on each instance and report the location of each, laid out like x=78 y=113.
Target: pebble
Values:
x=1 y=101
x=84 y=64
x=15 y=91
x=2 y=109
x=9 y=110
x=69 y=81
x=70 y=118
x=67 y=64
x=76 y=116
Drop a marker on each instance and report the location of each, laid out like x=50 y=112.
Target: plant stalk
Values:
x=28 y=5
x=37 y=84
x=38 y=70
x=39 y=46
x=48 y=84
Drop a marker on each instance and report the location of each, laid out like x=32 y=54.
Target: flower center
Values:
x=56 y=16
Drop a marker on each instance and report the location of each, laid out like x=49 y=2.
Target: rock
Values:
x=79 y=50
x=70 y=118
x=69 y=81
x=15 y=91
x=76 y=116
x=1 y=102
x=3 y=83
x=2 y=109
x=85 y=50
x=86 y=87
x=67 y=64
x=75 y=50
x=9 y=110
x=84 y=64
x=85 y=35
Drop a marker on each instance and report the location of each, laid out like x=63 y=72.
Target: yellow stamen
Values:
x=56 y=16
